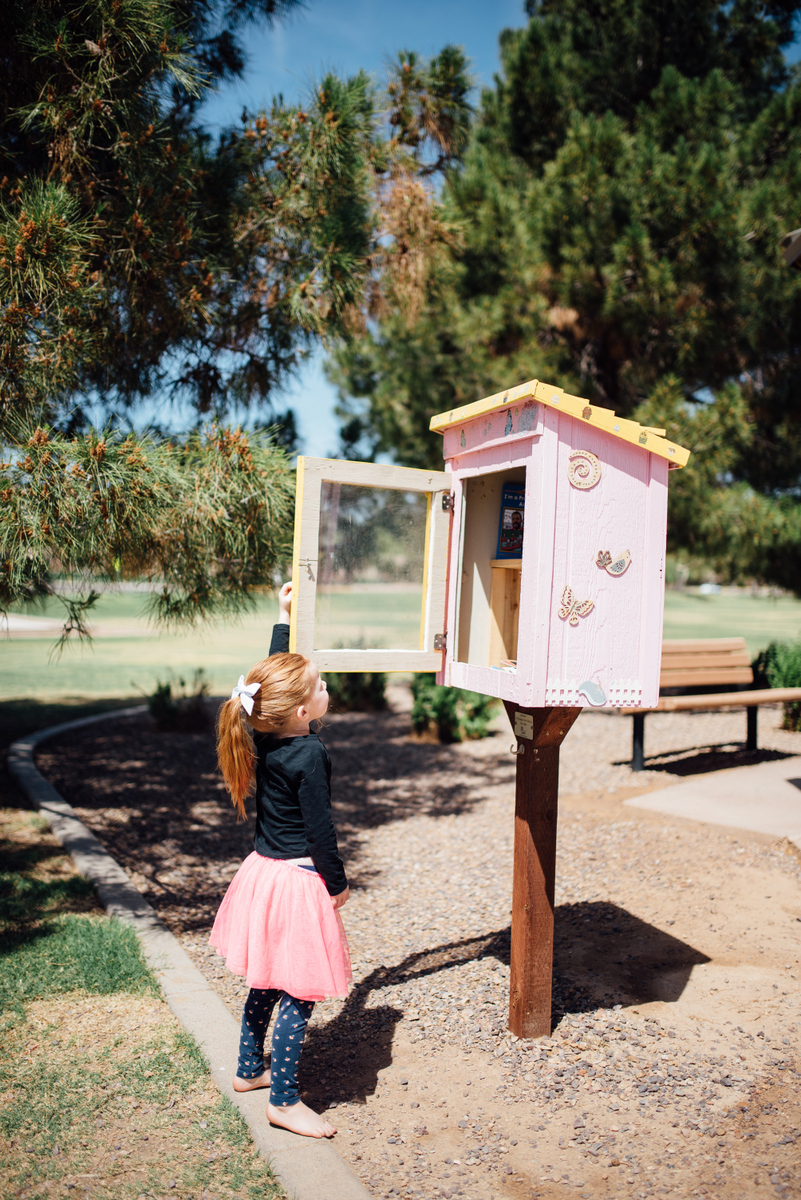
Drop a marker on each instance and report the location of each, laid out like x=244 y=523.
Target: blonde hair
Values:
x=284 y=685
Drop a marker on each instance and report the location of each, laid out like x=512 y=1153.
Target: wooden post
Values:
x=539 y=732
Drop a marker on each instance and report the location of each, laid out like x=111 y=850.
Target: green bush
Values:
x=779 y=666
x=452 y=714
x=357 y=691
x=174 y=707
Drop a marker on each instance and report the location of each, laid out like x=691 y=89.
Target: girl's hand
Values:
x=285 y=603
x=341 y=899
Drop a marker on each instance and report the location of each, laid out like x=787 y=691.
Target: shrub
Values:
x=357 y=691
x=176 y=709
x=452 y=714
x=780 y=666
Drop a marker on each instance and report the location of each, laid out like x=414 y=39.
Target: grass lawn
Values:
x=127 y=658
x=759 y=619
x=103 y=1091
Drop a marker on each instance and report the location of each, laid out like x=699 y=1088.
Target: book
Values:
x=510 y=530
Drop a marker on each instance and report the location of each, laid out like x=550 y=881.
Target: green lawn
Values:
x=759 y=619
x=132 y=660
x=78 y=1083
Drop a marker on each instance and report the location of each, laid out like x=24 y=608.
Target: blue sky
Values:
x=350 y=35
x=347 y=36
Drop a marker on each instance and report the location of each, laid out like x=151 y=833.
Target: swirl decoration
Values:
x=584 y=469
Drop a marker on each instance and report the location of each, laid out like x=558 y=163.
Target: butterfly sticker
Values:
x=613 y=566
x=571 y=608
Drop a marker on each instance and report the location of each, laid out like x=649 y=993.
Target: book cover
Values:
x=510 y=530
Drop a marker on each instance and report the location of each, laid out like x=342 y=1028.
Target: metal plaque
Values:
x=524 y=725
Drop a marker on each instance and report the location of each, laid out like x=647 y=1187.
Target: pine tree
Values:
x=198 y=266
x=141 y=257
x=206 y=518
x=620 y=207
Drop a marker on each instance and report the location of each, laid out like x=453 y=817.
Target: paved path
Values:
x=765 y=798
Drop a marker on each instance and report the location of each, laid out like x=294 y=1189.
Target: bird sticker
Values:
x=571 y=609
x=613 y=566
x=593 y=691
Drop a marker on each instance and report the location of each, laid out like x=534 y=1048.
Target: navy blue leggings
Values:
x=288 y=1034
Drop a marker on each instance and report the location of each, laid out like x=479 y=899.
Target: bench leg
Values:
x=751 y=727
x=638 y=742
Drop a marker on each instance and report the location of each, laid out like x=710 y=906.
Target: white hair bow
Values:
x=245 y=692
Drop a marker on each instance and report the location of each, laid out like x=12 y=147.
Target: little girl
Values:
x=279 y=923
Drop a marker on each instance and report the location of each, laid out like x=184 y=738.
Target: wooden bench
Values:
x=701 y=663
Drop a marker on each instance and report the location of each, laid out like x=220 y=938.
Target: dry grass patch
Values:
x=102 y=1093
x=107 y=1096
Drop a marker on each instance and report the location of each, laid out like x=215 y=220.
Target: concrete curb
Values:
x=307 y=1169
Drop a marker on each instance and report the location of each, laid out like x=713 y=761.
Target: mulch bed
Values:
x=658 y=982
x=158 y=804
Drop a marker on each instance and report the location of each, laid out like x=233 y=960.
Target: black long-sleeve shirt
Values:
x=293 y=797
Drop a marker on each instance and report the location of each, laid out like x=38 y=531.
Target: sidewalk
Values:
x=765 y=798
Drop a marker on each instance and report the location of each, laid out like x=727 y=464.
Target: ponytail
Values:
x=284 y=685
x=235 y=753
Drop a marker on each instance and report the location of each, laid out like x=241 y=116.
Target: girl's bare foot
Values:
x=250 y=1085
x=300 y=1119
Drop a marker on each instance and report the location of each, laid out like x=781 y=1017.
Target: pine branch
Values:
x=206 y=522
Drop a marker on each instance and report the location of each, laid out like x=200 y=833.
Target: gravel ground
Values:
x=672 y=1067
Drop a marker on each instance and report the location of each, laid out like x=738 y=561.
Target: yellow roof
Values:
x=591 y=414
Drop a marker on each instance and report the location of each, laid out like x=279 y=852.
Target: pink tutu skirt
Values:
x=278 y=928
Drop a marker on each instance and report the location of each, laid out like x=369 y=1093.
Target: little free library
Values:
x=530 y=569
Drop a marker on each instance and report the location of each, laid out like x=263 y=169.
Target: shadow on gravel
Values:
x=700 y=760
x=157 y=803
x=349 y=1051
x=603 y=955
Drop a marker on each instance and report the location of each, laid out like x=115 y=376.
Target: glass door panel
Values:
x=371 y=553
x=370 y=562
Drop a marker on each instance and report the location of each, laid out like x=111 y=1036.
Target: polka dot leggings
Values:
x=288 y=1034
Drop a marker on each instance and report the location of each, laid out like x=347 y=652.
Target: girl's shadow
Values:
x=342 y=1059
x=603 y=955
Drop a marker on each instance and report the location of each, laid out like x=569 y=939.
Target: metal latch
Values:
x=447 y=501
x=440 y=641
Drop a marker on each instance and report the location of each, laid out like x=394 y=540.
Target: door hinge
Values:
x=447 y=501
x=441 y=641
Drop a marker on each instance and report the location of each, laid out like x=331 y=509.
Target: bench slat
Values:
x=733 y=700
x=674 y=662
x=704 y=678
x=702 y=645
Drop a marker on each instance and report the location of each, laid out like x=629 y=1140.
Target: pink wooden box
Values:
x=577 y=619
